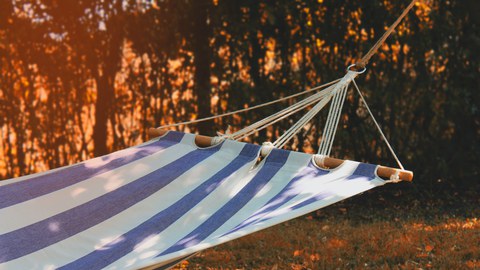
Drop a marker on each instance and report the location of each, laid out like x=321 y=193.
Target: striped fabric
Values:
x=161 y=201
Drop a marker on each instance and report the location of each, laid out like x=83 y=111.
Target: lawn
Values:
x=393 y=227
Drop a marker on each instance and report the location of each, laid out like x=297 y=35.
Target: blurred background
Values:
x=82 y=78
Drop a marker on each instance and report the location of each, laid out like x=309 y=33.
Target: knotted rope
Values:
x=366 y=58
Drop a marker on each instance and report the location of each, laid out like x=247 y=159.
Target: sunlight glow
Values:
x=106 y=242
x=130 y=262
x=148 y=254
x=54 y=226
x=148 y=242
x=113 y=184
x=78 y=191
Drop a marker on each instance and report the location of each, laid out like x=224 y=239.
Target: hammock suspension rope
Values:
x=335 y=92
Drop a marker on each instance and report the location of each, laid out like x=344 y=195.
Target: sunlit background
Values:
x=84 y=78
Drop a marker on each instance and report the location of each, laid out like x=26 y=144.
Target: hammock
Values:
x=164 y=200
x=160 y=202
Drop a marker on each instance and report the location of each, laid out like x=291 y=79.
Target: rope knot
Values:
x=222 y=136
x=267 y=147
x=395 y=178
x=320 y=160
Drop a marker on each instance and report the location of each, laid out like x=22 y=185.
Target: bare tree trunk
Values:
x=201 y=50
x=102 y=109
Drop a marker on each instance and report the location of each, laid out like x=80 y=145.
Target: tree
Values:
x=201 y=33
x=95 y=31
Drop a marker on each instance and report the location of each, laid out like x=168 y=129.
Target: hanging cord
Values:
x=366 y=58
x=272 y=119
x=335 y=111
x=378 y=126
x=337 y=93
x=250 y=108
x=332 y=121
x=280 y=142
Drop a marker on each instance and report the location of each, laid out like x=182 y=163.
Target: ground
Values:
x=392 y=227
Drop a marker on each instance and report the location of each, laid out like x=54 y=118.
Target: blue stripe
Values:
x=365 y=172
x=126 y=243
x=320 y=196
x=273 y=164
x=285 y=195
x=36 y=236
x=18 y=192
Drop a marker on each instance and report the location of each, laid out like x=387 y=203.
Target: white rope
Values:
x=338 y=94
x=276 y=116
x=280 y=142
x=335 y=112
x=250 y=108
x=334 y=118
x=378 y=126
x=259 y=125
x=328 y=125
x=394 y=178
x=272 y=120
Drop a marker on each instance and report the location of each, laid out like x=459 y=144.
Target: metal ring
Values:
x=358 y=72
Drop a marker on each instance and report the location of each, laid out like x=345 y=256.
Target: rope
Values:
x=270 y=120
x=366 y=58
x=250 y=108
x=338 y=94
x=280 y=142
x=335 y=112
x=332 y=121
x=378 y=126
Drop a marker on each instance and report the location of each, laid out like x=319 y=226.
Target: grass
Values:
x=382 y=229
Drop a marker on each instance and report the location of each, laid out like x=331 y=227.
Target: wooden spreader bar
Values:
x=328 y=162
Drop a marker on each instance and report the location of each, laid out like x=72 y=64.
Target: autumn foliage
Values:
x=360 y=233
x=80 y=79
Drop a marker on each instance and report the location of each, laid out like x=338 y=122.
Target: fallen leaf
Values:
x=297 y=253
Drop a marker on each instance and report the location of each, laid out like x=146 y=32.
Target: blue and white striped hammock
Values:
x=162 y=201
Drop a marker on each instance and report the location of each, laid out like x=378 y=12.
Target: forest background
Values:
x=82 y=78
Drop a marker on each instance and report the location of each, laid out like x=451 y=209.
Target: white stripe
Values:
x=296 y=163
x=339 y=188
x=270 y=190
x=312 y=186
x=222 y=196
x=43 y=207
x=82 y=243
x=150 y=248
x=354 y=187
x=29 y=176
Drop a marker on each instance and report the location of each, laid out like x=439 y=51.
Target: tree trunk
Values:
x=201 y=50
x=256 y=53
x=102 y=109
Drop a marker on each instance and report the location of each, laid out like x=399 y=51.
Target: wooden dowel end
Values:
x=328 y=162
x=382 y=171
x=200 y=140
